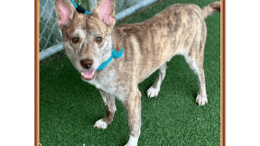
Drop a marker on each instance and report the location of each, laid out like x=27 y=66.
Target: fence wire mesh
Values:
x=49 y=31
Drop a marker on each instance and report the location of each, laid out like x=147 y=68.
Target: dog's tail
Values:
x=210 y=9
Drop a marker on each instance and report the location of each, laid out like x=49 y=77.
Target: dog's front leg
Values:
x=133 y=107
x=109 y=101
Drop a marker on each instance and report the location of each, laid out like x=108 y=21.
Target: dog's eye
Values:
x=98 y=39
x=75 y=39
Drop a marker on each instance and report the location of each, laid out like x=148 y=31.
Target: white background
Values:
x=17 y=73
x=242 y=73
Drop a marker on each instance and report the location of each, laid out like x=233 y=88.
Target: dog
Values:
x=116 y=59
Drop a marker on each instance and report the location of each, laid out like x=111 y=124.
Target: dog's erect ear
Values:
x=105 y=11
x=65 y=11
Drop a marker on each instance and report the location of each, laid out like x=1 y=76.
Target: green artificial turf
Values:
x=69 y=107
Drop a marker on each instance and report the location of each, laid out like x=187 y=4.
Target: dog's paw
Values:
x=132 y=141
x=152 y=92
x=202 y=100
x=101 y=124
x=130 y=145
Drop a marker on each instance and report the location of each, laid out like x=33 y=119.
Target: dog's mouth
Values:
x=88 y=75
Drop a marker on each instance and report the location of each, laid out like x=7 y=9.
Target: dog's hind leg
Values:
x=201 y=98
x=109 y=101
x=197 y=67
x=195 y=62
x=155 y=88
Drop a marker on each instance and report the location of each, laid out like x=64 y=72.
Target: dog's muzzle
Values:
x=88 y=74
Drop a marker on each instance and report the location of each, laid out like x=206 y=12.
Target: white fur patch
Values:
x=95 y=83
x=82 y=34
x=202 y=100
x=153 y=92
x=79 y=31
x=105 y=83
x=191 y=62
x=101 y=124
x=132 y=141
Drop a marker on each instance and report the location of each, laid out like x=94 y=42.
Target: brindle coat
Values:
x=179 y=29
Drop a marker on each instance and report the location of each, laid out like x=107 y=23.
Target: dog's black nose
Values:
x=86 y=63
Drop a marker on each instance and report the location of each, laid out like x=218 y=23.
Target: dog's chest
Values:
x=105 y=83
x=96 y=84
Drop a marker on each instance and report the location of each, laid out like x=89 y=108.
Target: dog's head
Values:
x=87 y=38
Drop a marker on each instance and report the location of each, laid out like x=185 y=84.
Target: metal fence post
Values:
x=92 y=5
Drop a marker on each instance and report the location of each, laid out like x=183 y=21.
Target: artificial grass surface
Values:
x=69 y=107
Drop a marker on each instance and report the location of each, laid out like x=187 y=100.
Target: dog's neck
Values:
x=115 y=55
x=117 y=39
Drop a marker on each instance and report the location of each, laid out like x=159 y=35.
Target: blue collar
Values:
x=79 y=8
x=114 y=54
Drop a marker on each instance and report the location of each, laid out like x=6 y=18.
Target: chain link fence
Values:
x=50 y=33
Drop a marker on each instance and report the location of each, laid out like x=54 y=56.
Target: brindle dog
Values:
x=146 y=46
